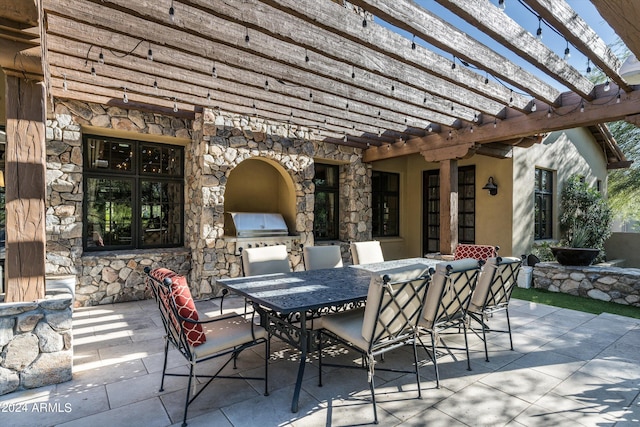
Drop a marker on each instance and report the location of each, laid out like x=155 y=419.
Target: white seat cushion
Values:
x=265 y=260
x=348 y=326
x=366 y=252
x=487 y=277
x=319 y=257
x=222 y=335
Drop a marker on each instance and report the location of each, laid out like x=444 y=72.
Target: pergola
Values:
x=314 y=64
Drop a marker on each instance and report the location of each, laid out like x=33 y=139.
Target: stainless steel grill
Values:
x=255 y=224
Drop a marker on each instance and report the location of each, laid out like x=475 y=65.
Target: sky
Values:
x=528 y=20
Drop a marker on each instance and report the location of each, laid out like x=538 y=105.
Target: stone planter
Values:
x=575 y=256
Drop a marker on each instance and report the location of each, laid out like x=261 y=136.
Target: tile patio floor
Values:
x=568 y=369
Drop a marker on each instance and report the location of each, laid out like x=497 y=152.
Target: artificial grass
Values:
x=587 y=305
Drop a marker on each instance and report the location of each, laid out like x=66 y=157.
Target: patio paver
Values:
x=568 y=368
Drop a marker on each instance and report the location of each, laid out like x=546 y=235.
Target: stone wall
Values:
x=619 y=285
x=219 y=142
x=35 y=342
x=226 y=140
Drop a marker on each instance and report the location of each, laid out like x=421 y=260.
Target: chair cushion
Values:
x=437 y=292
x=495 y=273
x=265 y=260
x=231 y=331
x=366 y=252
x=348 y=326
x=479 y=252
x=319 y=257
x=399 y=274
x=184 y=303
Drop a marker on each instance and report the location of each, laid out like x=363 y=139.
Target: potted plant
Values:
x=585 y=221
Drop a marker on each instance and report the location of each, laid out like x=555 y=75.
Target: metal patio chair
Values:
x=201 y=340
x=366 y=252
x=387 y=322
x=446 y=307
x=496 y=282
x=319 y=257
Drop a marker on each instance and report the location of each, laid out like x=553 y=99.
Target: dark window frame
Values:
x=543 y=219
x=138 y=177
x=379 y=195
x=331 y=230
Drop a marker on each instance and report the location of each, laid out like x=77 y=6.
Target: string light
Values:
x=214 y=72
x=311 y=97
x=533 y=105
x=175 y=105
x=453 y=63
x=495 y=123
x=618 y=97
x=93 y=70
x=430 y=128
x=353 y=72
x=150 y=53
x=511 y=98
x=246 y=37
x=155 y=84
x=567 y=52
x=364 y=23
x=471 y=129
x=346 y=107
x=607 y=86
x=125 y=98
x=413 y=42
x=345 y=137
x=172 y=13
x=582 y=106
x=588 y=66
x=486 y=78
x=539 y=31
x=64 y=82
x=502 y=4
x=306 y=56
x=379 y=132
x=475 y=117
x=449 y=137
x=101 y=57
x=266 y=85
x=549 y=113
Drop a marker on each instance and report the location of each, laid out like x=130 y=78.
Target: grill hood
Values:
x=255 y=224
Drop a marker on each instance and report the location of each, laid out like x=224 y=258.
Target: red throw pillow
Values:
x=187 y=309
x=479 y=252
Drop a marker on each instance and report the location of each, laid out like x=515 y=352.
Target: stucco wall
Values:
x=567 y=153
x=624 y=246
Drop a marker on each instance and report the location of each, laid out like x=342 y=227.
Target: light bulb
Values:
x=172 y=14
x=125 y=98
x=175 y=106
x=345 y=137
x=214 y=73
x=549 y=113
x=100 y=58
x=471 y=129
x=430 y=128
x=150 y=55
x=209 y=96
x=502 y=4
x=618 y=98
x=266 y=85
x=533 y=105
x=495 y=123
x=567 y=54
x=582 y=107
x=607 y=86
x=64 y=82
x=475 y=117
x=93 y=71
x=310 y=97
x=155 y=84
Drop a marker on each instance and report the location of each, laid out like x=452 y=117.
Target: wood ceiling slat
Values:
x=409 y=16
x=373 y=71
x=116 y=23
x=340 y=22
x=569 y=23
x=171 y=59
x=488 y=18
x=622 y=16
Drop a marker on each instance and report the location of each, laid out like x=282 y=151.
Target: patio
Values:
x=568 y=368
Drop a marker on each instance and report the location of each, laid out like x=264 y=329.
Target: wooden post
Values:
x=448 y=206
x=25 y=190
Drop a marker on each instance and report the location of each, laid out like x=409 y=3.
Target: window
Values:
x=466 y=207
x=543 y=204
x=134 y=194
x=325 y=223
x=385 y=193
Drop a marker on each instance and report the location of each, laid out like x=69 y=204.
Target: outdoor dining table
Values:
x=287 y=301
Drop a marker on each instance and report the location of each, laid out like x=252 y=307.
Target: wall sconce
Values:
x=491 y=186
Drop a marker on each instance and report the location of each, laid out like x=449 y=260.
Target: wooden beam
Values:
x=622 y=16
x=24 y=12
x=448 y=206
x=570 y=24
x=25 y=192
x=458 y=151
x=410 y=17
x=378 y=38
x=228 y=60
x=604 y=108
x=494 y=22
